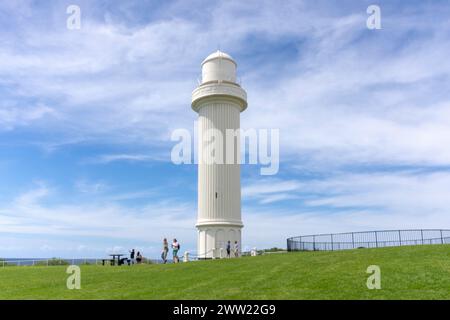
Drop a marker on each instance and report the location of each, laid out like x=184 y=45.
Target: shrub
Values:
x=52 y=262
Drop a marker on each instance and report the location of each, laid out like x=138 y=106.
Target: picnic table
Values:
x=113 y=259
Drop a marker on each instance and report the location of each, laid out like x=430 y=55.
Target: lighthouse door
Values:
x=220 y=239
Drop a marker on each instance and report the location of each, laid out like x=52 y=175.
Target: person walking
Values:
x=229 y=249
x=175 y=248
x=165 y=250
x=236 y=249
x=132 y=256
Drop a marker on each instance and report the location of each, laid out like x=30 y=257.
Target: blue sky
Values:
x=86 y=117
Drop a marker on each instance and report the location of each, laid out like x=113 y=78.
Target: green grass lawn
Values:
x=420 y=272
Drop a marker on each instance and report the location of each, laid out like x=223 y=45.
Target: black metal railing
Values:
x=368 y=239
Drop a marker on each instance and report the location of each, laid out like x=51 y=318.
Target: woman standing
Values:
x=236 y=249
x=165 y=250
x=175 y=248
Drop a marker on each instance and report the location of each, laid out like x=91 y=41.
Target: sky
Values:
x=86 y=117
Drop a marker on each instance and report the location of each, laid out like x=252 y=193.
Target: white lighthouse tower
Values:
x=218 y=100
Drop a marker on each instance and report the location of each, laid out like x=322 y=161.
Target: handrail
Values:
x=359 y=232
x=47 y=262
x=58 y=261
x=368 y=239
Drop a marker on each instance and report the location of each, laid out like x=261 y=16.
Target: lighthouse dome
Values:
x=218 y=55
x=219 y=66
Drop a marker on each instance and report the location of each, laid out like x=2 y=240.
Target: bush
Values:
x=274 y=249
x=52 y=262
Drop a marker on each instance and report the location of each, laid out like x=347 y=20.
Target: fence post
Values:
x=442 y=238
x=332 y=248
x=421 y=232
x=353 y=240
x=314 y=243
x=376 y=238
x=400 y=237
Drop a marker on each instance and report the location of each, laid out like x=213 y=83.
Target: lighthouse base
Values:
x=212 y=240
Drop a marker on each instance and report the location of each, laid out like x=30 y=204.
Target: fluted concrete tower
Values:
x=218 y=100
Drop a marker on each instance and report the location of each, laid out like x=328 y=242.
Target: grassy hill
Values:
x=420 y=272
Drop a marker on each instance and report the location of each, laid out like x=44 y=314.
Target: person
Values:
x=236 y=249
x=165 y=250
x=132 y=256
x=228 y=249
x=138 y=257
x=175 y=248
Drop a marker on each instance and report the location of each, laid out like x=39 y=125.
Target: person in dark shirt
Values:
x=229 y=249
x=132 y=256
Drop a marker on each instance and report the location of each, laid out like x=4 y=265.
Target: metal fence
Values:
x=368 y=239
x=62 y=261
x=23 y=262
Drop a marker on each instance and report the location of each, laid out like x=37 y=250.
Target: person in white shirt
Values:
x=175 y=248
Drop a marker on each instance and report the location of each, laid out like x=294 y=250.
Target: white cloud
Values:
x=277 y=197
x=347 y=96
x=338 y=203
x=261 y=187
x=32 y=196
x=420 y=195
x=353 y=202
x=270 y=190
x=107 y=158
x=85 y=186
x=12 y=116
x=148 y=223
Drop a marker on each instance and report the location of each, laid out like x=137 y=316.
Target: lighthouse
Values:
x=218 y=100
